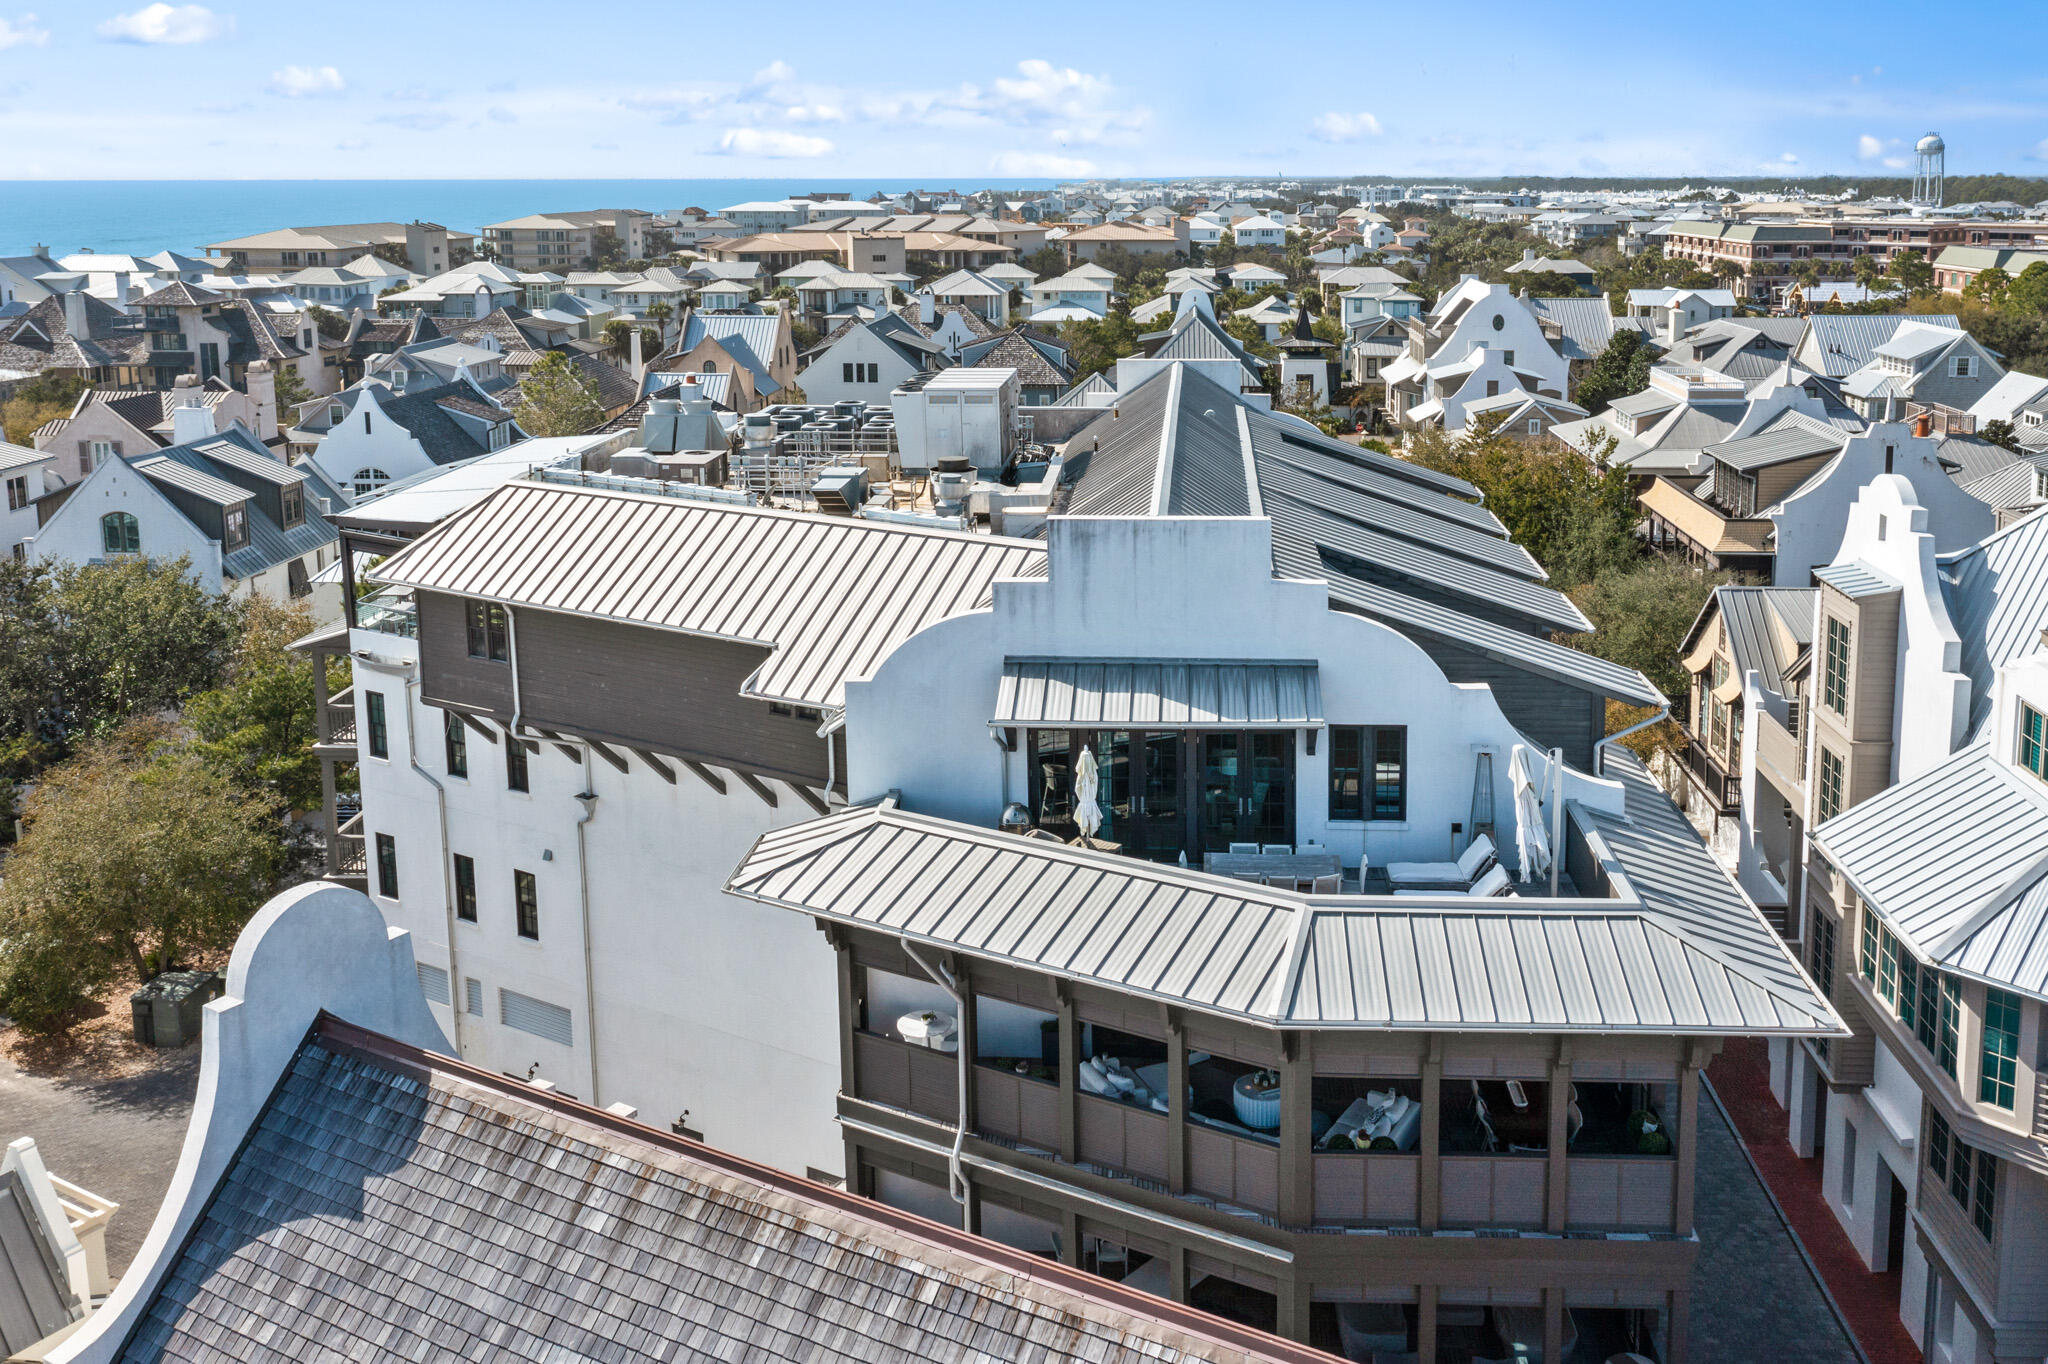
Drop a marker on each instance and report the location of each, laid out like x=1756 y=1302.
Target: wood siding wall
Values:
x=1622 y=1193
x=1123 y=1137
x=1363 y=1188
x=449 y=677
x=1551 y=713
x=1494 y=1191
x=1026 y=1111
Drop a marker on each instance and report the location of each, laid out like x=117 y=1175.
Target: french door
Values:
x=1174 y=792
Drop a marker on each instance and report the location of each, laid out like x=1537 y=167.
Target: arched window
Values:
x=369 y=480
x=120 y=533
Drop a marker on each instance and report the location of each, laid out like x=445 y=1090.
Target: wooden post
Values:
x=1070 y=1076
x=1558 y=1204
x=1687 y=1139
x=1429 y=1194
x=1176 y=1104
x=1293 y=1307
x=1425 y=1319
x=1676 y=1326
x=1070 y=1238
x=1553 y=1325
x=1177 y=1272
x=1297 y=1194
x=849 y=1010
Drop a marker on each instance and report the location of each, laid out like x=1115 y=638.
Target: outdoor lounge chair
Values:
x=1495 y=882
x=1479 y=854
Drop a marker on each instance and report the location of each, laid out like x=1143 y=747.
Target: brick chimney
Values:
x=1923 y=425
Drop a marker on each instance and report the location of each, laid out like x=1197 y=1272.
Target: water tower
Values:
x=1928 y=153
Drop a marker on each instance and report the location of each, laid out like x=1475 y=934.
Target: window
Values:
x=526 y=898
x=1995 y=1065
x=1927 y=1012
x=367 y=480
x=1834 y=684
x=1507 y=357
x=120 y=533
x=846 y=374
x=1866 y=946
x=1887 y=965
x=294 y=499
x=1970 y=1175
x=1368 y=772
x=17 y=493
x=1830 y=797
x=2033 y=741
x=1821 y=958
x=455 y=735
x=295 y=579
x=488 y=636
x=465 y=888
x=1535 y=426
x=234 y=527
x=1965 y=367
x=387 y=866
x=379 y=734
x=515 y=764
x=1950 y=1028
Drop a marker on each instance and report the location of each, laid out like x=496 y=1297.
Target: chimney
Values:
x=1528 y=255
x=74 y=309
x=261 y=384
x=1672 y=317
x=191 y=419
x=927 y=307
x=121 y=290
x=635 y=363
x=1923 y=425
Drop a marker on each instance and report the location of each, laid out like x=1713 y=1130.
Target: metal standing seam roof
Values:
x=1785 y=440
x=1750 y=616
x=393 y=1204
x=1283 y=959
x=1856 y=579
x=35 y=1296
x=1838 y=344
x=197 y=482
x=2012 y=946
x=1936 y=854
x=1997 y=595
x=1179 y=693
x=1280 y=479
x=267 y=467
x=830 y=596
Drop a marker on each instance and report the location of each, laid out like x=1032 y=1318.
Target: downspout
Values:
x=587 y=798
x=1600 y=749
x=956 y=1174
x=412 y=755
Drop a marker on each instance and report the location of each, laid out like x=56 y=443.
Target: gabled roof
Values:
x=1684 y=953
x=391 y=1203
x=206 y=463
x=747 y=574
x=1997 y=597
x=1838 y=344
x=748 y=337
x=1791 y=435
x=1753 y=617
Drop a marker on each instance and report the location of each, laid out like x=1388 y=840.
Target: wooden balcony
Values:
x=1721 y=787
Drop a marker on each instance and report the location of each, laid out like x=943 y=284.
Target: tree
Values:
x=1989 y=287
x=291 y=391
x=1912 y=271
x=606 y=250
x=2029 y=292
x=41 y=400
x=659 y=312
x=258 y=728
x=328 y=322
x=1546 y=284
x=555 y=400
x=1640 y=616
x=1622 y=368
x=1098 y=344
x=1999 y=432
x=135 y=852
x=618 y=337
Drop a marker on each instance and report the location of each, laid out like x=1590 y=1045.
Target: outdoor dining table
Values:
x=1278 y=867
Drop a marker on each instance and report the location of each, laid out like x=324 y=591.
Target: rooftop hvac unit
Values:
x=841 y=490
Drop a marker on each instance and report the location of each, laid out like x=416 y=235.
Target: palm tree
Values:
x=618 y=337
x=659 y=312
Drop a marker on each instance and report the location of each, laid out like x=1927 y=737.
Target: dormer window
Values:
x=235 y=528
x=2033 y=754
x=294 y=506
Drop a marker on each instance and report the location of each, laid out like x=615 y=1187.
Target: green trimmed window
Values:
x=1996 y=1068
x=1834 y=680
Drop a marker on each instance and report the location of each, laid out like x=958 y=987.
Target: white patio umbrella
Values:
x=1532 y=843
x=1087 y=781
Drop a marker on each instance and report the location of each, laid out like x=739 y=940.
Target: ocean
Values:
x=141 y=217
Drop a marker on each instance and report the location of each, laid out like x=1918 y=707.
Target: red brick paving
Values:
x=1869 y=1302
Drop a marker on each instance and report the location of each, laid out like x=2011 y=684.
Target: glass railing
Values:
x=391 y=611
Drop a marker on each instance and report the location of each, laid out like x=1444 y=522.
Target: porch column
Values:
x=1559 y=1189
x=1676 y=1327
x=1177 y=1272
x=1070 y=1238
x=1176 y=1104
x=1297 y=1199
x=849 y=1005
x=1425 y=1320
x=1293 y=1308
x=1070 y=1075
x=1429 y=1192
x=1688 y=1137
x=1553 y=1325
x=968 y=1029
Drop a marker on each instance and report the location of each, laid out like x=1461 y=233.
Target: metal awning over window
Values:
x=1144 y=693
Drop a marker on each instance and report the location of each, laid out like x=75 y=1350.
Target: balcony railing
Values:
x=1723 y=788
x=350 y=858
x=390 y=610
x=341 y=717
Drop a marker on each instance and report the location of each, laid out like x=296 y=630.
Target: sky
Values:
x=236 y=89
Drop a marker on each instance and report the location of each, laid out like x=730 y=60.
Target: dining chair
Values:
x=1278 y=849
x=1333 y=884
x=1244 y=847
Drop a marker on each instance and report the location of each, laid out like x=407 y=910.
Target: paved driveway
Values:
x=118 y=1138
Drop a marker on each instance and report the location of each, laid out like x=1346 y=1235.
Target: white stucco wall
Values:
x=368 y=438
x=1811 y=520
x=73 y=534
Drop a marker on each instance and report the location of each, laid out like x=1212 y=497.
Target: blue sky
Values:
x=116 y=89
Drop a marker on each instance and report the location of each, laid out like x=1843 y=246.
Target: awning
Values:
x=1137 y=693
x=1728 y=690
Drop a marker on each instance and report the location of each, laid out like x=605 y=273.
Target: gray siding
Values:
x=448 y=675
x=1551 y=713
x=659 y=690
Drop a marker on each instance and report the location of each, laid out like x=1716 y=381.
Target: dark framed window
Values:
x=235 y=528
x=1927 y=1016
x=297 y=583
x=456 y=735
x=120 y=533
x=1829 y=799
x=488 y=636
x=465 y=888
x=387 y=866
x=1368 y=772
x=294 y=499
x=1822 y=958
x=515 y=764
x=17 y=492
x=376 y=730
x=526 y=899
x=1834 y=682
x=1866 y=946
x=2000 y=1055
x=2033 y=741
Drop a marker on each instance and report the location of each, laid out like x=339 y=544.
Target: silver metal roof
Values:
x=2012 y=946
x=1997 y=594
x=1652 y=962
x=1938 y=855
x=1856 y=579
x=1751 y=616
x=169 y=472
x=1169 y=693
x=831 y=596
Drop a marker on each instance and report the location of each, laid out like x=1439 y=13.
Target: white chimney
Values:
x=121 y=290
x=261 y=385
x=1528 y=254
x=191 y=419
x=634 y=362
x=1672 y=316
x=927 y=307
x=74 y=309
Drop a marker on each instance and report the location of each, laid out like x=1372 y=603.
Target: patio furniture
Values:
x=1328 y=885
x=1370 y=1330
x=1495 y=882
x=1244 y=847
x=1286 y=870
x=1257 y=1106
x=1521 y=1333
x=1479 y=854
x=929 y=1028
x=1277 y=849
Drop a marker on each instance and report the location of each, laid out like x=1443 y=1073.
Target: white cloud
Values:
x=161 y=23
x=300 y=82
x=1869 y=148
x=814 y=113
x=1041 y=165
x=775 y=73
x=770 y=143
x=22 y=32
x=1339 y=127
